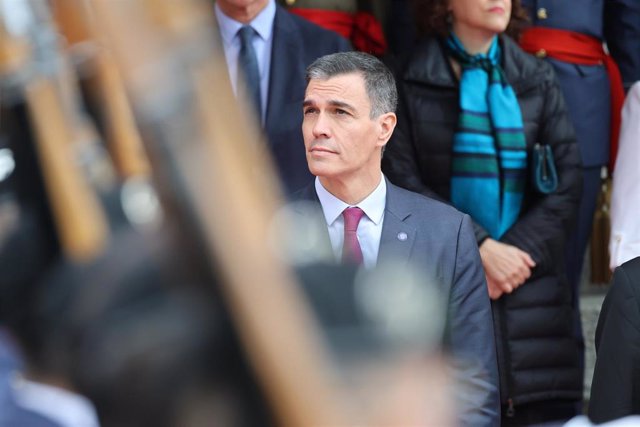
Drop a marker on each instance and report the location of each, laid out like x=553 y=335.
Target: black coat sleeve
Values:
x=616 y=378
x=541 y=230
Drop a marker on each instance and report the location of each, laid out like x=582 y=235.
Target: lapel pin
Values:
x=402 y=236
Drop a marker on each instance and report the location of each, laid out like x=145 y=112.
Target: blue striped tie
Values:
x=248 y=71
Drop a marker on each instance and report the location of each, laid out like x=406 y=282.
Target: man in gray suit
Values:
x=349 y=116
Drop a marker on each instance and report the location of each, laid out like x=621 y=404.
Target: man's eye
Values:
x=341 y=112
x=309 y=110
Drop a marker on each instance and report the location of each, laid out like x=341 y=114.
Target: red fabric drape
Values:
x=362 y=28
x=577 y=48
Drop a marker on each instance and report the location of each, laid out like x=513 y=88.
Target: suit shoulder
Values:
x=631 y=270
x=529 y=66
x=632 y=265
x=316 y=37
x=422 y=204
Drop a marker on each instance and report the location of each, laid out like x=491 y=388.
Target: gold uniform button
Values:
x=542 y=13
x=291 y=2
x=541 y=53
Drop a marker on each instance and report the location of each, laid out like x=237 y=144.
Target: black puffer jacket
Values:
x=538 y=356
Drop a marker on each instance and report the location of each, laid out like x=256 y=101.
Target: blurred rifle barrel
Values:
x=39 y=72
x=121 y=132
x=204 y=149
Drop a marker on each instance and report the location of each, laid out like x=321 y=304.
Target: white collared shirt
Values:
x=62 y=406
x=369 y=228
x=263 y=44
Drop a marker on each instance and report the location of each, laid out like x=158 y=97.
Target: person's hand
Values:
x=505 y=266
x=495 y=291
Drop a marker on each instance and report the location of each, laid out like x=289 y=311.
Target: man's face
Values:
x=341 y=139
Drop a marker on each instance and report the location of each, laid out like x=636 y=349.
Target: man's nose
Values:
x=321 y=127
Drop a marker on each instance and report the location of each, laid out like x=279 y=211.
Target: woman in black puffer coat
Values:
x=533 y=316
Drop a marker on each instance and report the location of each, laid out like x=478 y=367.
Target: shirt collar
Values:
x=373 y=205
x=262 y=23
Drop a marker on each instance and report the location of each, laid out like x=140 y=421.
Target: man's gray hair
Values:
x=379 y=82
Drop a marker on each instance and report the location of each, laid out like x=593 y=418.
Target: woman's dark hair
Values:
x=432 y=17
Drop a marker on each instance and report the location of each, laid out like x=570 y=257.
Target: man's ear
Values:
x=387 y=123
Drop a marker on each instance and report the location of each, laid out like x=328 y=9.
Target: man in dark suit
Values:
x=281 y=46
x=349 y=116
x=616 y=379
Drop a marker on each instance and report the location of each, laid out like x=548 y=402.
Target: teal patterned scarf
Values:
x=489 y=147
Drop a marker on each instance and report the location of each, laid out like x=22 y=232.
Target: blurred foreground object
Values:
x=213 y=179
x=102 y=86
x=38 y=76
x=197 y=321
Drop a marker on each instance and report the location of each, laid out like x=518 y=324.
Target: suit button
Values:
x=542 y=13
x=291 y=2
x=541 y=53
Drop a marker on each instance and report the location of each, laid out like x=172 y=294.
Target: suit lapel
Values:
x=286 y=70
x=398 y=234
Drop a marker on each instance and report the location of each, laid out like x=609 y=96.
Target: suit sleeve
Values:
x=470 y=336
x=622 y=34
x=616 y=375
x=541 y=230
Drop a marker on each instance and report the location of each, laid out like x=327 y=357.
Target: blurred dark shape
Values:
x=28 y=243
x=146 y=337
x=387 y=350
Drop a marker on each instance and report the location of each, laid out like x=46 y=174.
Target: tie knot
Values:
x=246 y=34
x=352 y=218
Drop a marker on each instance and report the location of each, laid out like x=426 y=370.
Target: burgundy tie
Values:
x=351 y=251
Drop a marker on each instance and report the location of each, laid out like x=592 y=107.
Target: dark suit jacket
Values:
x=296 y=44
x=440 y=242
x=615 y=391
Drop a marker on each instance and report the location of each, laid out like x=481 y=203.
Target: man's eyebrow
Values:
x=333 y=103
x=341 y=104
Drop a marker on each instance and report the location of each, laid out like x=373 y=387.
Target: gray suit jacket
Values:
x=439 y=240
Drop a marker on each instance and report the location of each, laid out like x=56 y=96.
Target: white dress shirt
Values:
x=262 y=43
x=370 y=226
x=624 y=243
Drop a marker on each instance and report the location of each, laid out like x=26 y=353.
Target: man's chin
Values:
x=323 y=174
x=320 y=169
